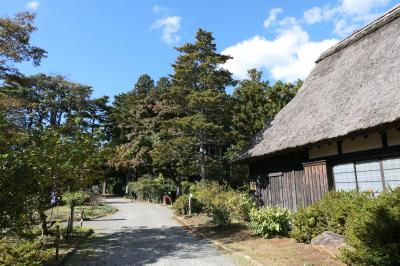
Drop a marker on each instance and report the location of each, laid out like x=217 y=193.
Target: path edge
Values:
x=215 y=242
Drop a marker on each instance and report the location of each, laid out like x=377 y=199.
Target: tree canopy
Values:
x=56 y=138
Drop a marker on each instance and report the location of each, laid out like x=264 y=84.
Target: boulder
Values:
x=329 y=242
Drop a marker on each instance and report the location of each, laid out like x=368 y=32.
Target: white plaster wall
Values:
x=361 y=143
x=323 y=151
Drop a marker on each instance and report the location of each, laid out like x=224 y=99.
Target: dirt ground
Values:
x=276 y=251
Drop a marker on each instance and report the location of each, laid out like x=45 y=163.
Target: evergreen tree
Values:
x=193 y=138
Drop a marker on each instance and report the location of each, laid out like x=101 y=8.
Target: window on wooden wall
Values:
x=391 y=169
x=345 y=178
x=367 y=175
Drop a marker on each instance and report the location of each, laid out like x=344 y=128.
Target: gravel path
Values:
x=144 y=234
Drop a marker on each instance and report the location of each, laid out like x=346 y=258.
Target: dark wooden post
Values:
x=57 y=241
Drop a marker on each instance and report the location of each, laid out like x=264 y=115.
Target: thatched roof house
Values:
x=349 y=104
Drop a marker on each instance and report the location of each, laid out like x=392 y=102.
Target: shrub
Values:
x=215 y=199
x=181 y=205
x=374 y=232
x=24 y=252
x=328 y=214
x=270 y=221
x=149 y=188
x=75 y=198
x=240 y=205
x=220 y=217
x=185 y=187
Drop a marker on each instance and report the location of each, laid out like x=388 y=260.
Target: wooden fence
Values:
x=296 y=188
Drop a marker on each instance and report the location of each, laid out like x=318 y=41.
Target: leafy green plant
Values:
x=185 y=187
x=270 y=221
x=240 y=206
x=75 y=198
x=215 y=199
x=373 y=232
x=328 y=214
x=149 y=188
x=24 y=252
x=181 y=205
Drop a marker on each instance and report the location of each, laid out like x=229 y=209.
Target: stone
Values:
x=329 y=242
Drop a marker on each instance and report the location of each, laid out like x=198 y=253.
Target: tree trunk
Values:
x=202 y=162
x=104 y=187
x=71 y=223
x=43 y=222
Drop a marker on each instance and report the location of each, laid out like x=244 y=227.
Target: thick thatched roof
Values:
x=355 y=85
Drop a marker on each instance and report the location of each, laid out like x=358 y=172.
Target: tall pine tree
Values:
x=193 y=139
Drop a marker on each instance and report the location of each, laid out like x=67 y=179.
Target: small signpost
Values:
x=190 y=204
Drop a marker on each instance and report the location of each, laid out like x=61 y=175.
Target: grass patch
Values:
x=61 y=213
x=39 y=250
x=275 y=251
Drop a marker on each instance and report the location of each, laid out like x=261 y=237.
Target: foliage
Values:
x=328 y=214
x=24 y=252
x=75 y=198
x=181 y=205
x=255 y=105
x=270 y=221
x=215 y=198
x=41 y=162
x=15 y=43
x=193 y=134
x=187 y=127
x=240 y=206
x=148 y=188
x=185 y=187
x=373 y=232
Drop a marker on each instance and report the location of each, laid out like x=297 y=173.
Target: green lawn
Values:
x=61 y=213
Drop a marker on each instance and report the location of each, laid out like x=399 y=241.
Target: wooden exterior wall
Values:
x=295 y=188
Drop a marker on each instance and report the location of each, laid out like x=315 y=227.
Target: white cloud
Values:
x=32 y=5
x=289 y=56
x=313 y=15
x=170 y=27
x=360 y=7
x=273 y=14
x=346 y=15
x=160 y=9
x=289 y=22
x=343 y=28
x=291 y=53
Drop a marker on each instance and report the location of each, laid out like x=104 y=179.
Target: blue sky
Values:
x=108 y=44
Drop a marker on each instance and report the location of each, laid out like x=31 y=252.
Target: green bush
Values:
x=185 y=187
x=215 y=200
x=328 y=214
x=220 y=217
x=373 y=232
x=24 y=252
x=149 y=188
x=181 y=205
x=75 y=198
x=270 y=221
x=240 y=205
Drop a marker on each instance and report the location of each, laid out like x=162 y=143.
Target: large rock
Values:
x=329 y=242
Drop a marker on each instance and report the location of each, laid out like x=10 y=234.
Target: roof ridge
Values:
x=357 y=35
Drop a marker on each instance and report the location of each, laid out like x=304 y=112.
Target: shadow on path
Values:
x=142 y=245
